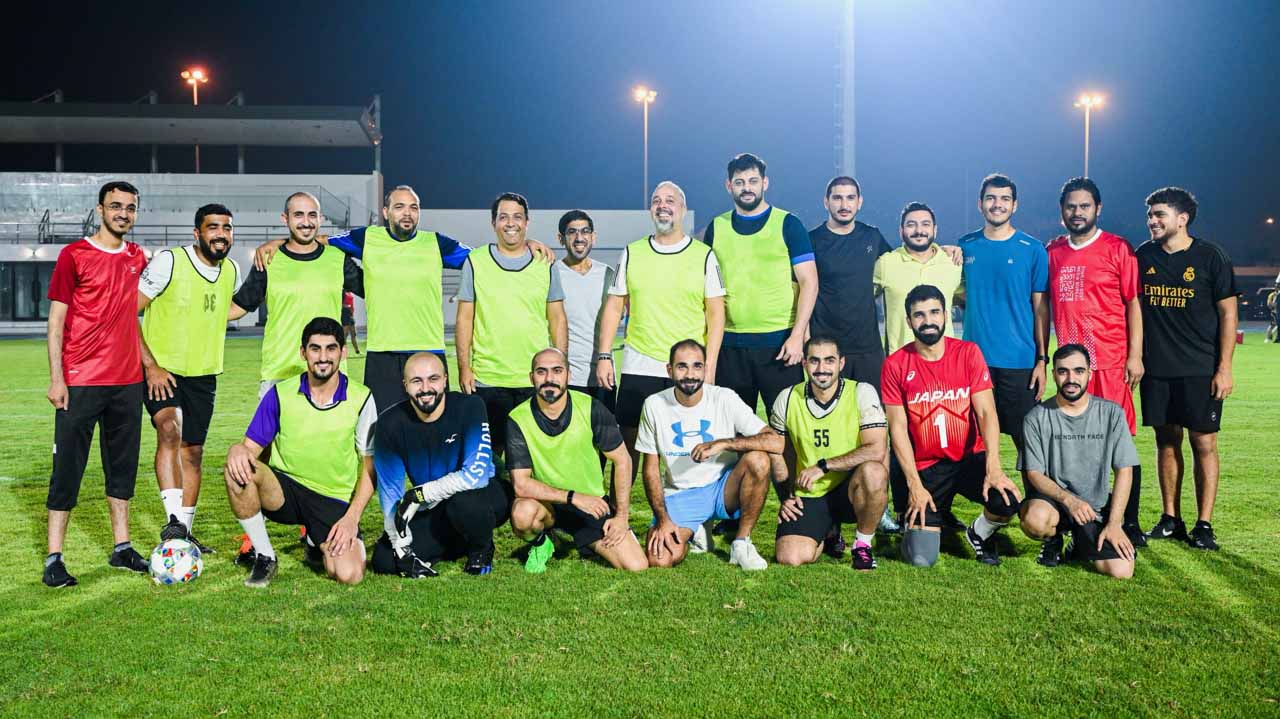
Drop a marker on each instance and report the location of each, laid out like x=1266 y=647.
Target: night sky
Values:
x=535 y=97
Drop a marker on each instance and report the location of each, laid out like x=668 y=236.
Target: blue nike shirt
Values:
x=999 y=277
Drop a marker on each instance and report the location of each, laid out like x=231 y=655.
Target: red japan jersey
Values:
x=938 y=398
x=100 y=289
x=1088 y=289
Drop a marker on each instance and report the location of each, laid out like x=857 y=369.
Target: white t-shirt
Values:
x=633 y=362
x=155 y=277
x=671 y=430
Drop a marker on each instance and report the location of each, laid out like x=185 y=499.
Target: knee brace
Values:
x=920 y=547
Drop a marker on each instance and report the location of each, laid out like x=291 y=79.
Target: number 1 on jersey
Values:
x=940 y=421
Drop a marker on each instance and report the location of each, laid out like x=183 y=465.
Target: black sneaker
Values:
x=56 y=575
x=263 y=571
x=864 y=560
x=952 y=523
x=479 y=563
x=984 y=550
x=174 y=529
x=314 y=556
x=1168 y=528
x=411 y=566
x=128 y=559
x=246 y=558
x=833 y=545
x=1050 y=552
x=1135 y=534
x=200 y=545
x=1201 y=537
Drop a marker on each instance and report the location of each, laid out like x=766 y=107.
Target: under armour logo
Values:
x=701 y=432
x=451 y=438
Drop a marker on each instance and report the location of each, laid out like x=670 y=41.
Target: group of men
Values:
x=759 y=310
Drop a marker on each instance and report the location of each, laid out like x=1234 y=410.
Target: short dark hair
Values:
x=821 y=340
x=296 y=195
x=120 y=185
x=386 y=199
x=924 y=293
x=212 y=208
x=685 y=344
x=574 y=216
x=1067 y=350
x=508 y=196
x=1177 y=198
x=1080 y=183
x=997 y=179
x=745 y=161
x=916 y=207
x=841 y=180
x=324 y=326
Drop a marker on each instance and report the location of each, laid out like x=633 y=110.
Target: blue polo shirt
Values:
x=999 y=278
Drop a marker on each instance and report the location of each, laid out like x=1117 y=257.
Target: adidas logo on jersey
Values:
x=1151 y=270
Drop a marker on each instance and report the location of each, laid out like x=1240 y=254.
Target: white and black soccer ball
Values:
x=176 y=561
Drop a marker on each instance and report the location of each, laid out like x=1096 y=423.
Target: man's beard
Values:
x=320 y=373
x=550 y=392
x=748 y=207
x=1068 y=389
x=427 y=402
x=843 y=223
x=823 y=381
x=664 y=226
x=689 y=387
x=214 y=255
x=1087 y=229
x=910 y=242
x=928 y=334
x=297 y=236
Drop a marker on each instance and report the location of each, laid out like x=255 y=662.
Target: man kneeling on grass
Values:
x=321 y=470
x=552 y=444
x=1074 y=441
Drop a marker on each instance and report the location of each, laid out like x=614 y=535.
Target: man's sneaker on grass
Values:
x=56 y=575
x=128 y=558
x=263 y=571
x=479 y=563
x=833 y=545
x=540 y=552
x=1168 y=527
x=245 y=554
x=864 y=560
x=174 y=529
x=702 y=540
x=1050 y=552
x=742 y=553
x=200 y=545
x=888 y=524
x=1136 y=536
x=411 y=566
x=984 y=550
x=1201 y=537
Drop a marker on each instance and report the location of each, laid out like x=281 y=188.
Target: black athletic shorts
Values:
x=348 y=318
x=1183 y=401
x=1084 y=537
x=460 y=524
x=306 y=507
x=821 y=514
x=384 y=376
x=193 y=396
x=945 y=480
x=117 y=411
x=633 y=390
x=754 y=374
x=498 y=403
x=584 y=528
x=864 y=367
x=1013 y=400
x=600 y=394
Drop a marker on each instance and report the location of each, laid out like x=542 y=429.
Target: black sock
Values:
x=1135 y=492
x=53 y=557
x=126 y=544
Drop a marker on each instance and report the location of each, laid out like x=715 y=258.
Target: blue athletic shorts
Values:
x=689 y=508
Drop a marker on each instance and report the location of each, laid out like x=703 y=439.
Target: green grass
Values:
x=1193 y=634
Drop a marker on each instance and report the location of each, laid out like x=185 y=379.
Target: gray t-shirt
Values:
x=583 y=296
x=1079 y=453
x=467 y=283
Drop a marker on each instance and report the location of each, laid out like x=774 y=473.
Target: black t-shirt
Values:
x=1180 y=292
x=605 y=434
x=254 y=290
x=404 y=445
x=846 y=307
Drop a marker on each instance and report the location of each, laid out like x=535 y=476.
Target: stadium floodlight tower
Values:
x=1088 y=102
x=645 y=97
x=195 y=77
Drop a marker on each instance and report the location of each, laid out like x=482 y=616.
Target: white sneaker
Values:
x=743 y=553
x=702 y=542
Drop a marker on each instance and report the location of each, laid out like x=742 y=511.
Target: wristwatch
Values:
x=822 y=465
x=1042 y=358
x=604 y=356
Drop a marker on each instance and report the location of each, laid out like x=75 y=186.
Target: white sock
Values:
x=172 y=500
x=866 y=539
x=256 y=528
x=188 y=516
x=984 y=527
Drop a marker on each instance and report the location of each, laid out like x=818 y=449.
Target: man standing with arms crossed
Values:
x=1093 y=295
x=95 y=375
x=184 y=295
x=585 y=282
x=509 y=306
x=1189 y=317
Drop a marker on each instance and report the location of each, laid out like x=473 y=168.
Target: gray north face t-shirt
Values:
x=1079 y=453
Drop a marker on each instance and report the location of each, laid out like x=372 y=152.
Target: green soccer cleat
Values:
x=540 y=552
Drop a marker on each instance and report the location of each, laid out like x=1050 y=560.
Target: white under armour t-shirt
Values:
x=671 y=430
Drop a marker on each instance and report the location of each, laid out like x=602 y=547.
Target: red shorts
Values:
x=1109 y=384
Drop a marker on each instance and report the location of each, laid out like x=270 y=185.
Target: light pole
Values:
x=195 y=77
x=645 y=97
x=1088 y=102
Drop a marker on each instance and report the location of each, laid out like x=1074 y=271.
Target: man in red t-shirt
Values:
x=944 y=432
x=1093 y=296
x=95 y=374
x=349 y=319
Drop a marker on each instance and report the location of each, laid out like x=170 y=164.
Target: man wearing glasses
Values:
x=584 y=282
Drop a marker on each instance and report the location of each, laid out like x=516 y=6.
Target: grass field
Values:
x=1193 y=634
